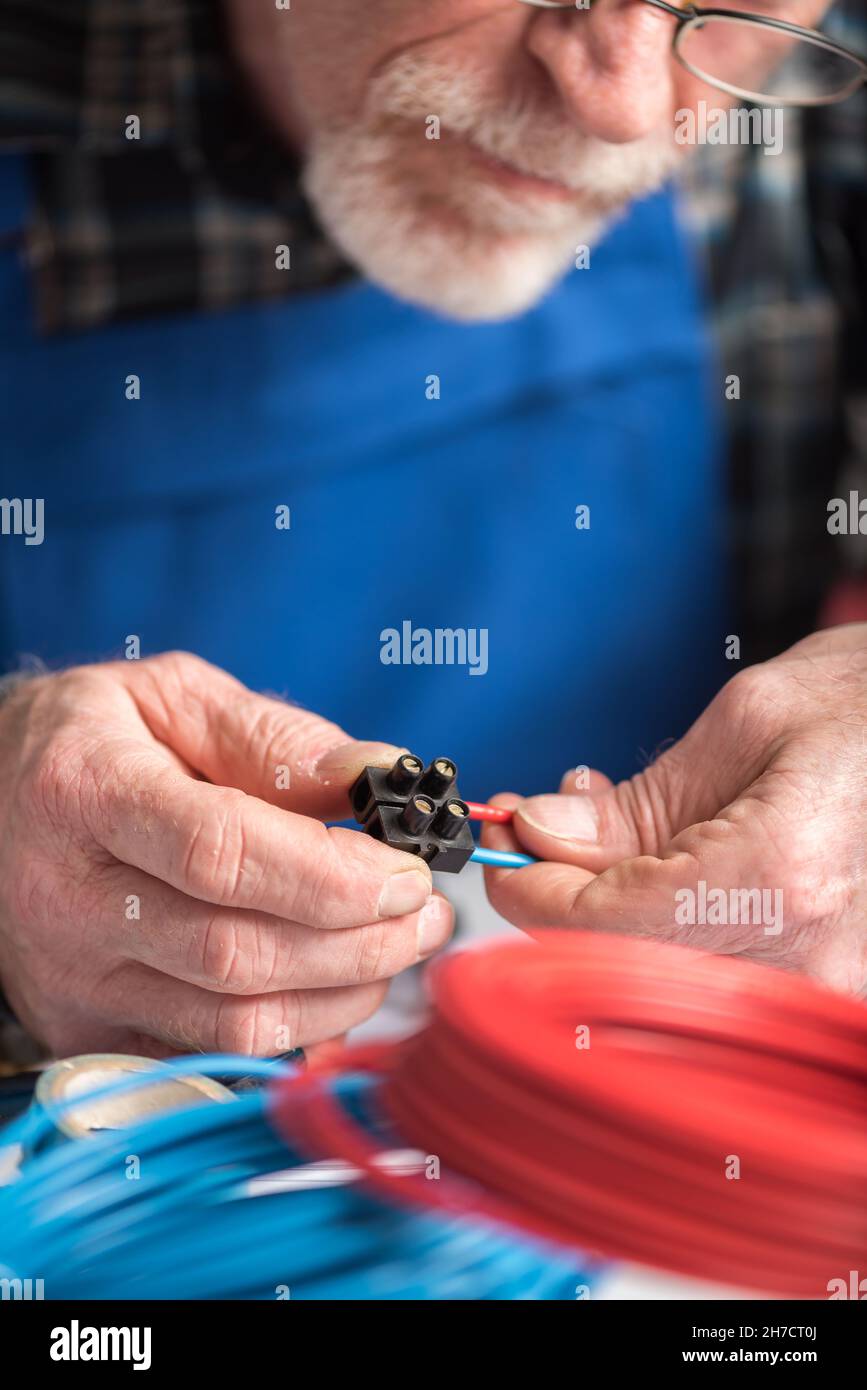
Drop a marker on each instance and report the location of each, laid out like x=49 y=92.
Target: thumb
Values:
x=718 y=886
x=263 y=746
x=688 y=783
x=594 y=830
x=600 y=827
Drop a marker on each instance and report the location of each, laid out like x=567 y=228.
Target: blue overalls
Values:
x=456 y=512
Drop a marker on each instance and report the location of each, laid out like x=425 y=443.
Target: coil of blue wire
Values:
x=185 y=1220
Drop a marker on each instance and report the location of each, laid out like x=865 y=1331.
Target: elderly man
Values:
x=434 y=394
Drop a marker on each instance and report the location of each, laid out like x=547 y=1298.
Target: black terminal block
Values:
x=416 y=809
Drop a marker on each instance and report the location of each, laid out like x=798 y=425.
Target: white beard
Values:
x=481 y=252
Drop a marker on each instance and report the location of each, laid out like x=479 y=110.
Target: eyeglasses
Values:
x=758 y=58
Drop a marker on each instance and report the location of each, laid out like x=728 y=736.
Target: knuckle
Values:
x=380 y=953
x=216 y=865
x=310 y=734
x=274 y=957
x=165 y=684
x=225 y=1031
x=753 y=698
x=177 y=662
x=257 y=1027
x=236 y=1029
x=172 y=689
x=68 y=783
x=223 y=962
x=274 y=732
x=69 y=697
x=810 y=897
x=314 y=895
x=267 y=731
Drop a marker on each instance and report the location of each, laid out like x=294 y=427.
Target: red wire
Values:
x=622 y=1148
x=498 y=814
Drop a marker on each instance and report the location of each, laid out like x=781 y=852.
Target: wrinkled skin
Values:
x=767 y=790
x=258 y=929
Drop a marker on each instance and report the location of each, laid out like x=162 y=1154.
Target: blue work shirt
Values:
x=431 y=473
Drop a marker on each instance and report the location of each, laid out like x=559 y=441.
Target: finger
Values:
x=185 y=1017
x=260 y=744
x=234 y=952
x=223 y=847
x=538 y=895
x=727 y=749
x=500 y=837
x=584 y=779
x=598 y=828
x=583 y=829
x=719 y=886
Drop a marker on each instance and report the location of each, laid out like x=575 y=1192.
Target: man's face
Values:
x=459 y=151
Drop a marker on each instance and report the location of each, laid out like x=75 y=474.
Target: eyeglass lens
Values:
x=759 y=60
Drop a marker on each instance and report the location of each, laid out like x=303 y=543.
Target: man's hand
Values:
x=166 y=881
x=767 y=792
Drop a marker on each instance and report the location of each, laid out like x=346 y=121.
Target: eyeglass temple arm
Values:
x=679 y=11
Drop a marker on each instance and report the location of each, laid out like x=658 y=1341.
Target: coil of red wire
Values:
x=640 y=1101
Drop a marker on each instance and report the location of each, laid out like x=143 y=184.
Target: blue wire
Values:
x=40 y=1122
x=502 y=858
x=189 y=1226
x=498 y=858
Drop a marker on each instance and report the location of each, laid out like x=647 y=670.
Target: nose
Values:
x=611 y=65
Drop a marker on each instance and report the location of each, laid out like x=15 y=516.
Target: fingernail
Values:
x=564 y=817
x=350 y=759
x=404 y=892
x=434 y=926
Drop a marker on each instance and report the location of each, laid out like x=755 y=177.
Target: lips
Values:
x=517 y=178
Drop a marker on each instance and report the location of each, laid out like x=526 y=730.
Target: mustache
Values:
x=538 y=142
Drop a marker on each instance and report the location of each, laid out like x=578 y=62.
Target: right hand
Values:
x=152 y=787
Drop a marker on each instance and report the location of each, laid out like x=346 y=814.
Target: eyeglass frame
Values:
x=687 y=15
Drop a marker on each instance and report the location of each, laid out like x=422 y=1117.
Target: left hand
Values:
x=764 y=800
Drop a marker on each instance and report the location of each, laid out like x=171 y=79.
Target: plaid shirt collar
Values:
x=206 y=170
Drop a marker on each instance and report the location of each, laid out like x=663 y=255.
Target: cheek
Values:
x=310 y=64
x=332 y=57
x=689 y=91
x=332 y=48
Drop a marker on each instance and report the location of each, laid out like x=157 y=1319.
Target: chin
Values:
x=471 y=258
x=463 y=226
x=503 y=282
